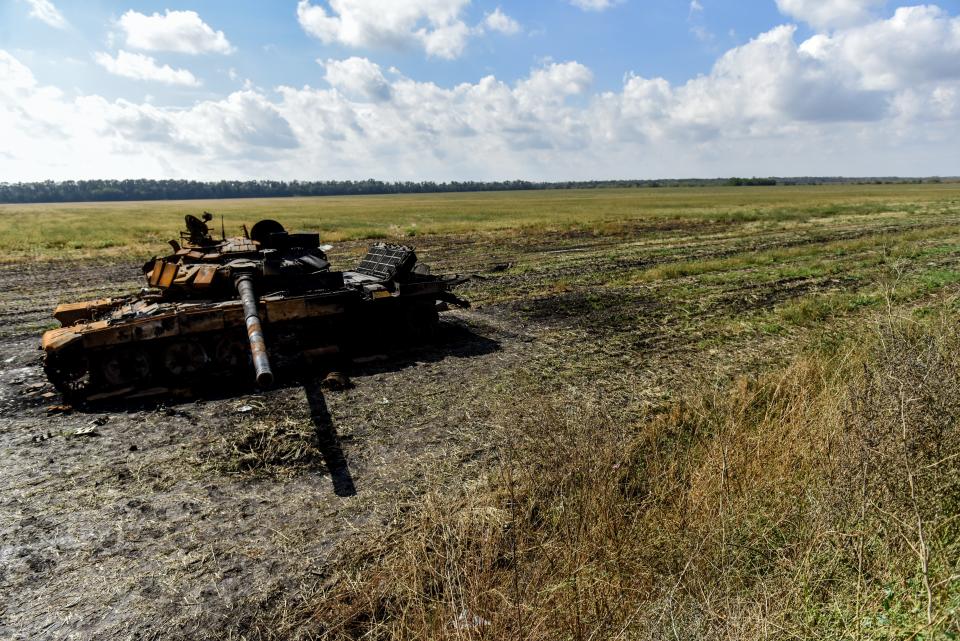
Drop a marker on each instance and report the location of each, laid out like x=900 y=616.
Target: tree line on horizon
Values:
x=149 y=189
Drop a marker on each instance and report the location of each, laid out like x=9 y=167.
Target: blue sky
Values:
x=650 y=37
x=461 y=89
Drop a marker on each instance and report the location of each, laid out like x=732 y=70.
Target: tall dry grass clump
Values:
x=817 y=501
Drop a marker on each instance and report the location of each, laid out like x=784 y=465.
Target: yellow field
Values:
x=78 y=230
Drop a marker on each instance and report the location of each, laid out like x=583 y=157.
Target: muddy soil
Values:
x=137 y=522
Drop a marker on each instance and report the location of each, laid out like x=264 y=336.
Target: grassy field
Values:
x=725 y=413
x=82 y=230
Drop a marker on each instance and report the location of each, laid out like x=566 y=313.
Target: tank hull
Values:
x=144 y=348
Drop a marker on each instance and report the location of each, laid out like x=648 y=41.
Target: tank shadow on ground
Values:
x=328 y=442
x=453 y=339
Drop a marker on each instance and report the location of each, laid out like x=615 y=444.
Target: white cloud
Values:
x=555 y=82
x=141 y=67
x=47 y=12
x=446 y=41
x=178 y=31
x=879 y=98
x=358 y=78
x=595 y=5
x=697 y=27
x=932 y=106
x=916 y=45
x=16 y=75
x=766 y=87
x=497 y=20
x=829 y=14
x=433 y=25
x=243 y=123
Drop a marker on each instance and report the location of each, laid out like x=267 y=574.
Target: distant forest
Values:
x=143 y=189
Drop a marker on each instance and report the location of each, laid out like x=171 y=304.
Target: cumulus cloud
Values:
x=595 y=5
x=357 y=78
x=436 y=26
x=177 y=31
x=141 y=67
x=497 y=20
x=45 y=11
x=918 y=44
x=766 y=83
x=828 y=14
x=554 y=82
x=244 y=121
x=45 y=133
x=16 y=75
x=878 y=98
x=243 y=127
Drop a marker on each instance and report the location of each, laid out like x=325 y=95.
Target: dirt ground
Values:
x=141 y=528
x=148 y=522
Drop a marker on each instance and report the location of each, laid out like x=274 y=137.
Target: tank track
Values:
x=207 y=361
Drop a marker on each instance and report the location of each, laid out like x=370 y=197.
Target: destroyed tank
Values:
x=217 y=309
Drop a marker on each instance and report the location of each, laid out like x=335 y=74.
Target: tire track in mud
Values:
x=32 y=290
x=594 y=261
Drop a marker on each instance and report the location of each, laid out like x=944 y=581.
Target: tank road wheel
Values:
x=182 y=359
x=70 y=374
x=232 y=353
x=125 y=367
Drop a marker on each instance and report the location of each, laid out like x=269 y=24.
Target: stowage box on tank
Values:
x=217 y=309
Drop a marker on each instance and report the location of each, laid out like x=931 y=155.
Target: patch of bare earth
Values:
x=182 y=519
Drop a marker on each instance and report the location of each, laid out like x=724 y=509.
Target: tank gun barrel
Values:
x=258 y=347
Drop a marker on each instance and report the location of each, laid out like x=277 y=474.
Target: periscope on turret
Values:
x=228 y=309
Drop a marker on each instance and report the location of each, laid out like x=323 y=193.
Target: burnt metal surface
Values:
x=258 y=347
x=216 y=311
x=385 y=261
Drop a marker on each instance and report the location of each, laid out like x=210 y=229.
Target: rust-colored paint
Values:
x=185 y=275
x=157 y=327
x=98 y=334
x=205 y=275
x=70 y=313
x=169 y=273
x=154 y=276
x=258 y=347
x=56 y=339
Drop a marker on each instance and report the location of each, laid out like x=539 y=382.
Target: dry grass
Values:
x=816 y=501
x=276 y=447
